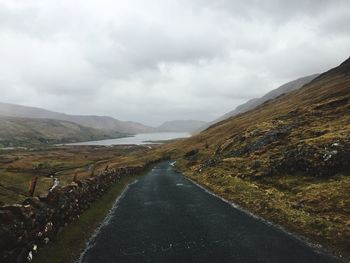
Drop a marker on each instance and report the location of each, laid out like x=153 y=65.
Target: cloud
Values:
x=152 y=61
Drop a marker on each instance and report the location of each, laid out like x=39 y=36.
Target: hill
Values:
x=16 y=131
x=181 y=126
x=251 y=104
x=287 y=160
x=97 y=122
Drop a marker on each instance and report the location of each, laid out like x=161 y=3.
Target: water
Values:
x=138 y=139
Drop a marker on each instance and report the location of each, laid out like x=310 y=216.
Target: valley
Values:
x=23 y=126
x=286 y=161
x=175 y=131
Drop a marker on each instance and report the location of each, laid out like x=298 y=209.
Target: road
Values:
x=163 y=217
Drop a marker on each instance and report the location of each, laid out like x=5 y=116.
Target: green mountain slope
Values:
x=26 y=131
x=96 y=122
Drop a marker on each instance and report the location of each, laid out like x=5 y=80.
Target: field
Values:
x=18 y=166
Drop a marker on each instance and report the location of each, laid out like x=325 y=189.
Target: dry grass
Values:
x=245 y=160
x=240 y=160
x=18 y=166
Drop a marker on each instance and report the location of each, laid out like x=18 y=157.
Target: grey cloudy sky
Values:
x=157 y=60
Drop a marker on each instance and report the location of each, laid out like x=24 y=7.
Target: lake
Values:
x=138 y=139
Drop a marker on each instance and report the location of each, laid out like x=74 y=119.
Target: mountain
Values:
x=106 y=123
x=287 y=160
x=97 y=122
x=16 y=131
x=181 y=126
x=251 y=104
x=314 y=117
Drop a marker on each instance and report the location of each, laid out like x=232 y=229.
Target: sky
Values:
x=156 y=60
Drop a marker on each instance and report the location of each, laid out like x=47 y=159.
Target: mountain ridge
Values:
x=190 y=126
x=18 y=131
x=92 y=121
x=287 y=160
x=105 y=123
x=255 y=102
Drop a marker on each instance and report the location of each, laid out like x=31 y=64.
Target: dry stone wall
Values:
x=26 y=227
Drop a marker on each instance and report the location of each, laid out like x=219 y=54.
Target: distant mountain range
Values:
x=97 y=122
x=105 y=123
x=16 y=131
x=32 y=124
x=253 y=103
x=21 y=124
x=181 y=126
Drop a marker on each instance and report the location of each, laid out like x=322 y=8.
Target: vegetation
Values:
x=29 y=132
x=18 y=166
x=287 y=160
x=72 y=240
x=104 y=123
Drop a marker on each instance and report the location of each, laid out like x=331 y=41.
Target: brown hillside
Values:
x=312 y=118
x=287 y=160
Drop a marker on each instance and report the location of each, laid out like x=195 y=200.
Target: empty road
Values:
x=165 y=218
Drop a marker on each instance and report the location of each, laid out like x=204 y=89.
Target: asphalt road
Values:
x=163 y=217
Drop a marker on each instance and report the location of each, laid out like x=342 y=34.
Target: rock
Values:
x=324 y=160
x=211 y=162
x=262 y=139
x=191 y=155
x=8 y=238
x=38 y=220
x=256 y=165
x=46 y=240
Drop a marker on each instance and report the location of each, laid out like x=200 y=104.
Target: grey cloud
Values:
x=336 y=24
x=274 y=10
x=163 y=59
x=138 y=47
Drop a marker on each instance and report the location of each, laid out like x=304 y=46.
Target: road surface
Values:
x=163 y=217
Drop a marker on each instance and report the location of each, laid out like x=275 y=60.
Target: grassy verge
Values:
x=313 y=208
x=72 y=240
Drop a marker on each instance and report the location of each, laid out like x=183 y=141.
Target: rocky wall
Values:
x=26 y=227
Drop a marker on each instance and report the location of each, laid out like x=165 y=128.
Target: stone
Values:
x=37 y=220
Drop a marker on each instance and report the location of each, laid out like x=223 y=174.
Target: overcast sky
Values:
x=151 y=61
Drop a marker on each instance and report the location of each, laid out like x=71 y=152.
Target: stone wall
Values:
x=26 y=227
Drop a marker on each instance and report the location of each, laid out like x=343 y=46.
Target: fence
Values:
x=27 y=226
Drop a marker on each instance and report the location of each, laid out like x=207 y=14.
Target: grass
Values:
x=19 y=165
x=283 y=176
x=72 y=240
x=261 y=179
x=315 y=209
x=15 y=131
x=14 y=186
